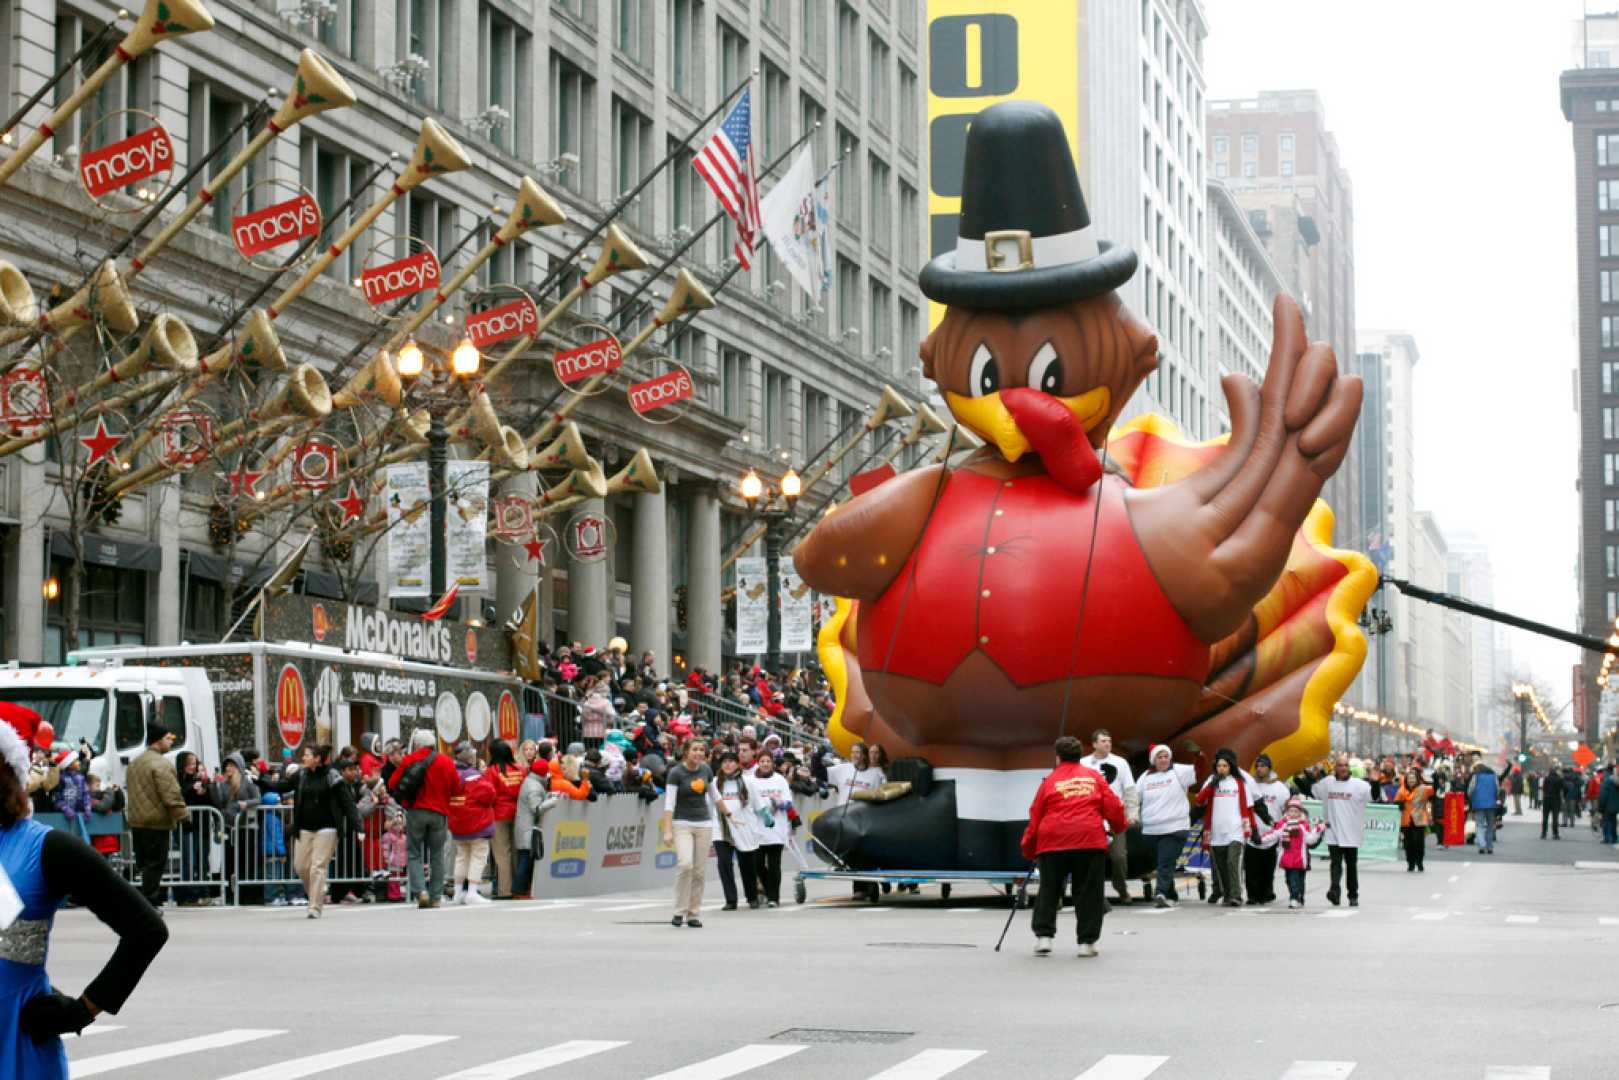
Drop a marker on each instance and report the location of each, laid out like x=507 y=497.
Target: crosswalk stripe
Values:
x=633 y=907
x=141 y=1055
x=95 y=1029
x=1347 y=913
x=752 y=1056
x=1584 y=865
x=874 y=908
x=526 y=1064
x=1607 y=920
x=1151 y=911
x=1123 y=1067
x=929 y=1064
x=1523 y=920
x=1318 y=1070
x=1518 y=1072
x=1430 y=916
x=336 y=1059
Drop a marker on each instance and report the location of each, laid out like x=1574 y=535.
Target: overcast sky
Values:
x=1448 y=119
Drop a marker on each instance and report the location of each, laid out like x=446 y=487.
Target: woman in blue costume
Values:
x=44 y=866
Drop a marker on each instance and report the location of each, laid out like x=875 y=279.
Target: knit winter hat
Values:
x=154 y=731
x=1262 y=759
x=1296 y=801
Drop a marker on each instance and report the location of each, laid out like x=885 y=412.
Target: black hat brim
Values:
x=994 y=290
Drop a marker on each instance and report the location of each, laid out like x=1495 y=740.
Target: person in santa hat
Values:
x=39 y=868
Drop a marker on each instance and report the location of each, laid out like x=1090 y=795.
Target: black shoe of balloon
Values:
x=48 y=1015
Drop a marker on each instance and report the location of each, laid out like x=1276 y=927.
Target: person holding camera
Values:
x=1067 y=836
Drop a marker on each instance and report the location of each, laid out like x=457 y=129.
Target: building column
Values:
x=515 y=577
x=589 y=621
x=704 y=613
x=649 y=580
x=164 y=501
x=26 y=562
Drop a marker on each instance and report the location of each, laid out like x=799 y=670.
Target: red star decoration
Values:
x=352 y=504
x=536 y=548
x=243 y=481
x=101 y=444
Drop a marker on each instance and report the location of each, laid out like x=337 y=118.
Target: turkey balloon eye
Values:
x=983 y=377
x=1045 y=371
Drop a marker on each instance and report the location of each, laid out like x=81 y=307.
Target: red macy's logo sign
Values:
x=664 y=390
x=275 y=225
x=502 y=323
x=124 y=162
x=593 y=358
x=402 y=277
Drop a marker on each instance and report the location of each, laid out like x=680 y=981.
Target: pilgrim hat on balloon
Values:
x=1024 y=239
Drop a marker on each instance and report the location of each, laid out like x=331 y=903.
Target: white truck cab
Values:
x=107 y=705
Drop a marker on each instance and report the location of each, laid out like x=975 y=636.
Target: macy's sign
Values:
x=275 y=225
x=124 y=162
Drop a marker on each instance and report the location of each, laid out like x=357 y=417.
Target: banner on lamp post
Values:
x=752 y=607
x=466 y=520
x=409 y=503
x=797 y=610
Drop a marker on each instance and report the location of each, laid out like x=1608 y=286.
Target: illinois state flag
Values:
x=796 y=224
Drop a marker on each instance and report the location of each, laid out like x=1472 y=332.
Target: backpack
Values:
x=412 y=778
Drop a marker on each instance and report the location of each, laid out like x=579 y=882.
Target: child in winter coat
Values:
x=72 y=795
x=393 y=854
x=1298 y=835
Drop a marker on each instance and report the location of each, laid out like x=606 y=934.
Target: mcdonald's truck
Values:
x=325 y=672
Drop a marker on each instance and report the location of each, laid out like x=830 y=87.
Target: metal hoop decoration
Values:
x=536 y=551
x=25 y=400
x=186 y=436
x=498 y=314
x=255 y=232
x=595 y=351
x=511 y=518
x=316 y=463
x=381 y=283
x=131 y=160
x=655 y=399
x=589 y=536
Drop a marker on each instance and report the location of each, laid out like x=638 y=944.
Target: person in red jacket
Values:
x=1066 y=837
x=506 y=776
x=427 y=815
x=472 y=823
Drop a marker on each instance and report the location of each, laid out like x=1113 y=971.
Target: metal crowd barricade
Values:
x=562 y=722
x=197 y=860
x=265 y=851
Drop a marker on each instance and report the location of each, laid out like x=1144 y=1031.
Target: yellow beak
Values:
x=989 y=418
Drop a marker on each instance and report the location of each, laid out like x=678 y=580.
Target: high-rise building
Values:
x=1282 y=163
x=1246 y=283
x=1590 y=97
x=1472 y=578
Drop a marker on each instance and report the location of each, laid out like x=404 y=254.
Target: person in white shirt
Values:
x=734 y=841
x=769 y=798
x=1165 y=817
x=1269 y=797
x=1227 y=822
x=856 y=774
x=1343 y=802
x=1123 y=782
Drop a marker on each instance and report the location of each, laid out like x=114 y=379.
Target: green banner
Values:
x=1381 y=840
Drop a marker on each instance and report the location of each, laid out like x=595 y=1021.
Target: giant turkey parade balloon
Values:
x=1075 y=573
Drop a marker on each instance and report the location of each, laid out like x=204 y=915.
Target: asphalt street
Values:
x=1492 y=967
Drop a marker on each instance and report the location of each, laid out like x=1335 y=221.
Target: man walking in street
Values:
x=423 y=784
x=1117 y=772
x=1066 y=836
x=1551 y=801
x=154 y=807
x=1608 y=805
x=1343 y=802
x=1483 y=793
x=1270 y=797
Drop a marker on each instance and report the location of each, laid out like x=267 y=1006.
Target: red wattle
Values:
x=1056 y=435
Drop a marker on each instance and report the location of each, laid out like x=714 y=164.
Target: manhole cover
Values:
x=840 y=1035
x=920 y=945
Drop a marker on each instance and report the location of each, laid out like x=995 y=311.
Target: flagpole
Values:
x=567 y=261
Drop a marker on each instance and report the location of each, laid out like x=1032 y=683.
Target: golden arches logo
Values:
x=291 y=705
x=506 y=719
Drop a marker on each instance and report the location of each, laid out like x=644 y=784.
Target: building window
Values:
x=910 y=335
x=1613 y=606
x=847 y=420
x=1222 y=146
x=131 y=89
x=882 y=324
x=1610 y=468
x=1285 y=143
x=1610 y=376
x=910 y=226
x=1287 y=168
x=1219 y=170
x=848 y=52
x=1609 y=326
x=112 y=609
x=1250 y=145
x=632 y=147
x=333 y=176
x=573 y=106
x=879 y=100
x=1610 y=422
x=213 y=113
x=881 y=212
x=774 y=122
x=685 y=63
x=847 y=184
x=1608 y=195
x=682 y=190
x=848 y=304
x=504 y=51
x=1610 y=286
x=1608 y=241
x=812 y=18
x=733 y=383
x=775 y=417
x=423 y=31
x=1610 y=559
x=1610 y=514
x=1608 y=148
x=1250 y=169
x=909 y=109
x=811 y=114
x=816 y=411
x=733 y=57
x=634 y=27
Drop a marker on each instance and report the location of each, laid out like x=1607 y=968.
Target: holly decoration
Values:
x=224 y=526
x=166 y=25
x=428 y=166
x=301 y=99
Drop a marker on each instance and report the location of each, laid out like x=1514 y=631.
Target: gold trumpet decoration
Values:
x=639 y=476
x=959 y=438
x=501 y=440
x=379 y=378
x=105 y=294
x=18 y=307
x=436 y=153
x=567 y=451
x=317 y=87
x=161 y=20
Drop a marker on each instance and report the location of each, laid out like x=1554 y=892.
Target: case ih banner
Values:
x=119 y=164
x=283 y=223
x=402 y=277
x=361 y=628
x=660 y=392
x=497 y=324
x=592 y=358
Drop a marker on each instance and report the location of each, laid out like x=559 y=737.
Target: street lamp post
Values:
x=436 y=392
x=760 y=498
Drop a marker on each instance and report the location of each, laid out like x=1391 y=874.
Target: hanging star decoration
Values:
x=536 y=548
x=101 y=444
x=244 y=481
x=352 y=504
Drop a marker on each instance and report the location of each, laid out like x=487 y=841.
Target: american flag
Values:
x=726 y=162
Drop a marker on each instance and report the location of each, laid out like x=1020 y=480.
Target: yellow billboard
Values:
x=980 y=53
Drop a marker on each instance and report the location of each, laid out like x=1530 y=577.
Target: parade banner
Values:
x=1455 y=821
x=795 y=226
x=752 y=607
x=409 y=530
x=1380 y=840
x=467 y=485
x=797 y=611
x=983 y=52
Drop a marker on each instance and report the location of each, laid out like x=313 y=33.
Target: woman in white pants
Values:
x=689 y=792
